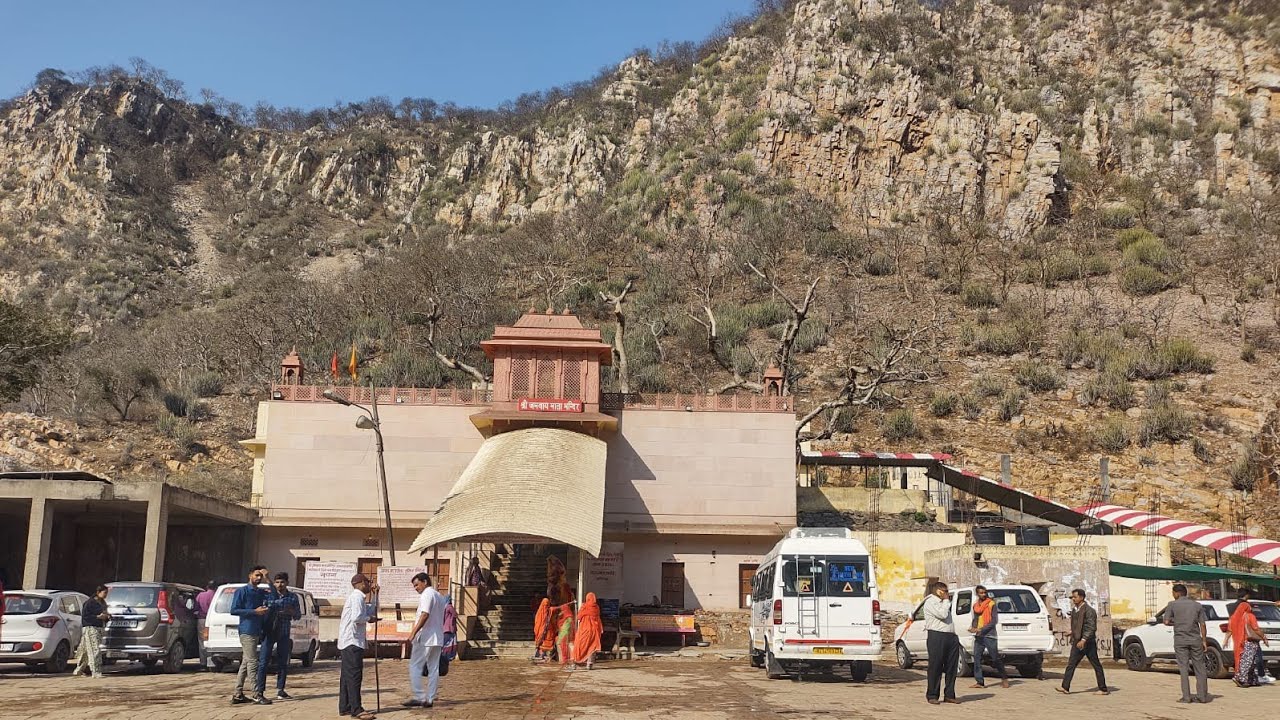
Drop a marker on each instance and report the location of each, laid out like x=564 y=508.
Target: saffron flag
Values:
x=351 y=366
x=333 y=366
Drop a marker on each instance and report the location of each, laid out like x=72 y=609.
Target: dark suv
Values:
x=152 y=622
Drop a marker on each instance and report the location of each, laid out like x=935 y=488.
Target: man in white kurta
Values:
x=426 y=642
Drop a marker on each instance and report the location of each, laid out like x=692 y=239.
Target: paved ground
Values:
x=669 y=688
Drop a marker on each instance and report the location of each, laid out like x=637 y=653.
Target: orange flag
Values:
x=351 y=366
x=333 y=366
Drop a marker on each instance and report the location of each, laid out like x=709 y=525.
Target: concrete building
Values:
x=72 y=529
x=695 y=488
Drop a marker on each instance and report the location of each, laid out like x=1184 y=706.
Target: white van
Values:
x=814 y=603
x=1023 y=634
x=222 y=636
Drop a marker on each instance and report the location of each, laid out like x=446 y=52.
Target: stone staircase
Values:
x=506 y=628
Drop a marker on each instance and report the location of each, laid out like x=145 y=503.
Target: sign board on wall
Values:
x=663 y=623
x=394 y=586
x=604 y=573
x=328 y=579
x=549 y=405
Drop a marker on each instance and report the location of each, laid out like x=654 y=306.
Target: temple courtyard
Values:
x=669 y=687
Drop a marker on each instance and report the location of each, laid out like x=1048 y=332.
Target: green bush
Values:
x=971 y=406
x=1175 y=356
x=1165 y=422
x=1111 y=387
x=1010 y=403
x=1150 y=251
x=811 y=336
x=979 y=295
x=988 y=385
x=1072 y=347
x=1118 y=217
x=206 y=385
x=943 y=404
x=1158 y=394
x=1112 y=435
x=1247 y=468
x=1020 y=334
x=842 y=420
x=900 y=425
x=177 y=404
x=1125 y=238
x=878 y=264
x=1143 y=280
x=181 y=433
x=1037 y=377
x=1249 y=353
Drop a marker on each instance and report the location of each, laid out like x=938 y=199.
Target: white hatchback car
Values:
x=1146 y=644
x=1022 y=630
x=222 y=636
x=40 y=628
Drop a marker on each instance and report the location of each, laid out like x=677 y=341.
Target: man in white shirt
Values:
x=357 y=612
x=943 y=645
x=426 y=641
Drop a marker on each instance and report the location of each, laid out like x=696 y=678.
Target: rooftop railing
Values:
x=608 y=401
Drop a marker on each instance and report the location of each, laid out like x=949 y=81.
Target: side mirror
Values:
x=1152 y=621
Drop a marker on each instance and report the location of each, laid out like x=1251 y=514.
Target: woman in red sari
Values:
x=542 y=637
x=1250 y=637
x=587 y=642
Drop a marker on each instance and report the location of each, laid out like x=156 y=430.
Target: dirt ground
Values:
x=670 y=688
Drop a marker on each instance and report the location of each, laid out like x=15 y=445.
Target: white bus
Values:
x=814 y=603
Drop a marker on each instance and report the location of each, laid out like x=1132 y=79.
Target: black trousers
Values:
x=1090 y=651
x=352 y=674
x=944 y=655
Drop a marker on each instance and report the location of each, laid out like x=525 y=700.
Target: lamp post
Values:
x=371 y=422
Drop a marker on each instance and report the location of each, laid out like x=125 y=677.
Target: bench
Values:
x=644 y=625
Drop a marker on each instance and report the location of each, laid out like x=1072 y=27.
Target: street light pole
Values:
x=371 y=422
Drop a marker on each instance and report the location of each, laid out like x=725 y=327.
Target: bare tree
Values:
x=896 y=357
x=799 y=311
x=619 y=337
x=430 y=319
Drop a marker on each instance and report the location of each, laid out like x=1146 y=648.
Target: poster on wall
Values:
x=328 y=579
x=394 y=586
x=604 y=573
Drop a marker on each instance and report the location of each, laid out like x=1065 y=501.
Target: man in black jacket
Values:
x=1084 y=643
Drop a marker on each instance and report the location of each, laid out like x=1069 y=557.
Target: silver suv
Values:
x=151 y=622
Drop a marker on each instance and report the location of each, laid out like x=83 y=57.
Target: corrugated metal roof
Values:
x=543 y=483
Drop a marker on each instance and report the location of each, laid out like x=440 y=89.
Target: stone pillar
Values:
x=39 y=532
x=157 y=532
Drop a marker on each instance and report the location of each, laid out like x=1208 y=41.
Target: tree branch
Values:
x=431 y=320
x=619 y=341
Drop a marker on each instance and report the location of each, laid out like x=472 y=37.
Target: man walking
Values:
x=357 y=612
x=284 y=609
x=943 y=645
x=1084 y=643
x=203 y=601
x=1190 y=642
x=250 y=605
x=985 y=616
x=93 y=614
x=426 y=640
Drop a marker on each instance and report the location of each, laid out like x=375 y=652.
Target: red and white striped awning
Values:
x=1260 y=549
x=876 y=459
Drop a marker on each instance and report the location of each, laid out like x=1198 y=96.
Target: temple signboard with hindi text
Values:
x=554 y=405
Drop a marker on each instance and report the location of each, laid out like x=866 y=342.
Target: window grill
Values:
x=520 y=378
x=546 y=378
x=572 y=380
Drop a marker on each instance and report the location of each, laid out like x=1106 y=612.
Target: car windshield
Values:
x=1010 y=600
x=222 y=604
x=1266 y=613
x=132 y=596
x=26 y=604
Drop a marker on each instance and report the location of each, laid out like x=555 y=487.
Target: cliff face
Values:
x=1050 y=128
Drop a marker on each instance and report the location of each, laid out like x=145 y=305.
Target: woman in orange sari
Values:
x=587 y=642
x=542 y=637
x=1250 y=638
x=1235 y=625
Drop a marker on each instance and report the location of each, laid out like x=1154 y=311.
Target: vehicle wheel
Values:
x=1214 y=666
x=150 y=663
x=310 y=657
x=772 y=668
x=860 y=669
x=57 y=662
x=218 y=662
x=1135 y=658
x=1032 y=669
x=173 y=661
x=963 y=667
x=905 y=661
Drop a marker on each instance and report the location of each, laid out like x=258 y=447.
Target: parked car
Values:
x=814 y=603
x=151 y=621
x=222 y=636
x=40 y=628
x=1022 y=630
x=1151 y=643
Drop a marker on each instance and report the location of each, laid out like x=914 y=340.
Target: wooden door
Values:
x=300 y=571
x=745 y=574
x=439 y=572
x=673 y=584
x=369 y=568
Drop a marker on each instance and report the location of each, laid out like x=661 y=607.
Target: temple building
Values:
x=644 y=498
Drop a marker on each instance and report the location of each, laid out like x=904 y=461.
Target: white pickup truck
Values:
x=1146 y=644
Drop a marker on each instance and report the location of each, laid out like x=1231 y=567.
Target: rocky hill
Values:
x=1049 y=227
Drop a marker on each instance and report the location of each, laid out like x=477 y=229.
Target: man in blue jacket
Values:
x=250 y=605
x=284 y=610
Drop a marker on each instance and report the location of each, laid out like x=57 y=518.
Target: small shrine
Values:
x=546 y=373
x=291 y=370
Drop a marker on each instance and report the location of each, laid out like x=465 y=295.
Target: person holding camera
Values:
x=284 y=609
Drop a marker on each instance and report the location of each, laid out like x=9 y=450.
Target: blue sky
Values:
x=309 y=54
